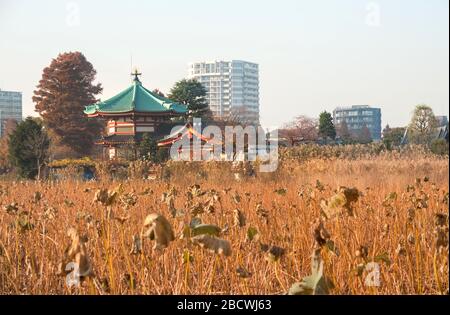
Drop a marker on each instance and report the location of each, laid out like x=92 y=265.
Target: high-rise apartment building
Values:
x=10 y=108
x=358 y=116
x=232 y=88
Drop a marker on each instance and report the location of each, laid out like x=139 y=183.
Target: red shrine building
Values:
x=195 y=142
x=132 y=113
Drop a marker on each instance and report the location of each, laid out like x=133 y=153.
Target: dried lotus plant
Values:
x=136 y=247
x=340 y=203
x=238 y=218
x=243 y=273
x=157 y=228
x=49 y=213
x=128 y=200
x=101 y=196
x=76 y=253
x=213 y=244
x=224 y=245
x=12 y=208
x=281 y=191
x=107 y=197
x=441 y=232
x=316 y=283
x=262 y=212
x=196 y=191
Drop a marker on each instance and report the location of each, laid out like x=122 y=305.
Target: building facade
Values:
x=358 y=116
x=10 y=108
x=232 y=88
x=130 y=114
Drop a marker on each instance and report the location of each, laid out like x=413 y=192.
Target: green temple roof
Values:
x=136 y=98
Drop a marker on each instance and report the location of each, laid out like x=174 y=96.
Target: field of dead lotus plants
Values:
x=322 y=226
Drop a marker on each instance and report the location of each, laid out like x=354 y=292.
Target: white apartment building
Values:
x=10 y=108
x=232 y=88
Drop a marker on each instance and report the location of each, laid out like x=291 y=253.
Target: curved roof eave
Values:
x=136 y=98
x=137 y=112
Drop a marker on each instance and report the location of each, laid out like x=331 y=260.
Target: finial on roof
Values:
x=136 y=74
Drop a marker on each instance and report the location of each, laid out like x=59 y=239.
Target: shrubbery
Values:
x=170 y=170
x=354 y=151
x=439 y=147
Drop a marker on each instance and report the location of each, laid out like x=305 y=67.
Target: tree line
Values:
x=67 y=86
x=305 y=129
x=422 y=129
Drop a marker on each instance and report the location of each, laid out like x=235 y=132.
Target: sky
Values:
x=313 y=55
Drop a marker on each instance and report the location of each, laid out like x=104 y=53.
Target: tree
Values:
x=4 y=161
x=300 y=129
x=147 y=148
x=364 y=135
x=439 y=146
x=240 y=115
x=65 y=89
x=422 y=125
x=326 y=126
x=28 y=148
x=393 y=136
x=192 y=94
x=159 y=93
x=162 y=155
x=386 y=130
x=344 y=133
x=10 y=126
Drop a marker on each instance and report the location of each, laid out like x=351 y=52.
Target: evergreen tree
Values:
x=326 y=126
x=28 y=148
x=159 y=93
x=148 y=148
x=192 y=94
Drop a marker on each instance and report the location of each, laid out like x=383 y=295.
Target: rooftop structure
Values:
x=131 y=113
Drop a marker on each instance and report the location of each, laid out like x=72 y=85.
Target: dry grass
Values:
x=399 y=232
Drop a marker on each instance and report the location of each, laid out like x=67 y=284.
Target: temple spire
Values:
x=136 y=74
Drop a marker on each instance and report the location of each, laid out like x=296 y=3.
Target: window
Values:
x=145 y=129
x=129 y=130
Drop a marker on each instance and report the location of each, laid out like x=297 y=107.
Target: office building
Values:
x=10 y=108
x=358 y=116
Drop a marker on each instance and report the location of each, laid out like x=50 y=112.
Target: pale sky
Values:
x=314 y=55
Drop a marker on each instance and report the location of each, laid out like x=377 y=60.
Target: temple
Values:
x=132 y=113
x=194 y=142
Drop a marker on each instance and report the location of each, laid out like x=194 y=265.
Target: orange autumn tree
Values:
x=65 y=89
